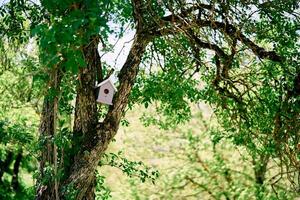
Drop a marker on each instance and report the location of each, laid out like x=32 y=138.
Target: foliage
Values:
x=191 y=166
x=102 y=192
x=18 y=121
x=16 y=139
x=133 y=169
x=229 y=65
x=240 y=57
x=130 y=168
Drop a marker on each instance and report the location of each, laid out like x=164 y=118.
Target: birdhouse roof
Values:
x=105 y=82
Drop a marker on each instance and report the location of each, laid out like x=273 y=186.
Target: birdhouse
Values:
x=105 y=92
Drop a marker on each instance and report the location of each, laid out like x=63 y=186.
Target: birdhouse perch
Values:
x=105 y=92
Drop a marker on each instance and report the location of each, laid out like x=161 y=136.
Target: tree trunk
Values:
x=86 y=115
x=260 y=169
x=92 y=136
x=4 y=166
x=46 y=184
x=15 y=181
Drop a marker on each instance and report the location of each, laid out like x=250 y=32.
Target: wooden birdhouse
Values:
x=105 y=92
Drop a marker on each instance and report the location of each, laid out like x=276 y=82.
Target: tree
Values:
x=249 y=72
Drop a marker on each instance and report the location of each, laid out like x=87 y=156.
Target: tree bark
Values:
x=92 y=136
x=86 y=115
x=4 y=166
x=15 y=181
x=260 y=169
x=46 y=189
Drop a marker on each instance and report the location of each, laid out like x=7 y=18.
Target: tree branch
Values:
x=172 y=24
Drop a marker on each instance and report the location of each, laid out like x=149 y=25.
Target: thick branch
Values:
x=207 y=45
x=137 y=12
x=187 y=11
x=234 y=33
x=127 y=77
x=173 y=24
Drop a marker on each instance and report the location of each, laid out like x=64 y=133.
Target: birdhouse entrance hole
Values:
x=106 y=91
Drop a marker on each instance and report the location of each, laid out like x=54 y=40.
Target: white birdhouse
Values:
x=105 y=92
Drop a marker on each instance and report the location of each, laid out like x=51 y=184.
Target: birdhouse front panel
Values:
x=106 y=93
